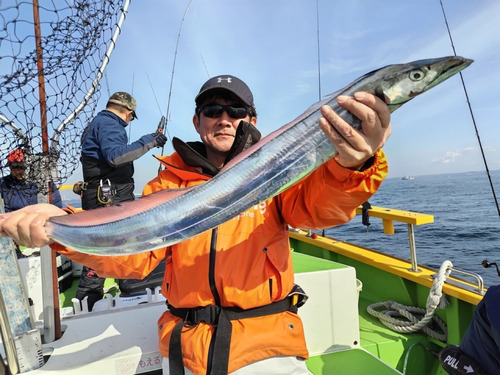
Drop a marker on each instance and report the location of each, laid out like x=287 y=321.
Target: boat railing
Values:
x=464 y=284
x=389 y=216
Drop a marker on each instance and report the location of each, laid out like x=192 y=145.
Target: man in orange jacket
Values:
x=213 y=280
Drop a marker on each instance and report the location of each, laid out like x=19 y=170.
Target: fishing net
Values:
x=55 y=85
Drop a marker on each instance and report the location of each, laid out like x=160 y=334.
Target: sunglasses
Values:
x=216 y=110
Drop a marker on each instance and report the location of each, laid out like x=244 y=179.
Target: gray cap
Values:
x=230 y=83
x=124 y=99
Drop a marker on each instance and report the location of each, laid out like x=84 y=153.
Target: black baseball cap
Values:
x=230 y=83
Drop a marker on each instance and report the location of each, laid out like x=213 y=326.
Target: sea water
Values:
x=466 y=228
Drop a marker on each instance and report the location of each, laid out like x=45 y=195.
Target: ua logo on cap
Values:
x=220 y=79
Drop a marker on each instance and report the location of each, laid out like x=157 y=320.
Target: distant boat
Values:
x=408 y=177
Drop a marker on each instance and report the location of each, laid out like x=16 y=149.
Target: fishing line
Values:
x=154 y=94
x=130 y=124
x=319 y=59
x=173 y=66
x=167 y=117
x=204 y=65
x=107 y=82
x=160 y=126
x=471 y=113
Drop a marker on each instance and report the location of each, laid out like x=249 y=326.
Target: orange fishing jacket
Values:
x=251 y=260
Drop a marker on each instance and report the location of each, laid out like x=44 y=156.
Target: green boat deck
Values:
x=374 y=336
x=382 y=351
x=378 y=341
x=349 y=362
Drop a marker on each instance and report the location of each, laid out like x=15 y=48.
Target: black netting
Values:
x=75 y=36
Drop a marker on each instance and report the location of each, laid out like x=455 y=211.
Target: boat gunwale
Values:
x=389 y=263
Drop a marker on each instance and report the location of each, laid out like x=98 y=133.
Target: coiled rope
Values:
x=418 y=318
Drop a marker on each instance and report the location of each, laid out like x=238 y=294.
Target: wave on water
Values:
x=466 y=228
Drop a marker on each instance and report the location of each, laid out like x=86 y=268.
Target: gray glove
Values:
x=160 y=139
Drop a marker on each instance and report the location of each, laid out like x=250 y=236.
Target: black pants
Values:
x=91 y=285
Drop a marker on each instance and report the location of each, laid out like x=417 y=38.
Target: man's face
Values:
x=18 y=171
x=217 y=132
x=129 y=117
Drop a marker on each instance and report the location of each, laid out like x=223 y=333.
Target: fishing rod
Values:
x=164 y=121
x=487 y=264
x=175 y=58
x=319 y=57
x=472 y=114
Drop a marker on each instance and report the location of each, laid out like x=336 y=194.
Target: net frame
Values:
x=76 y=42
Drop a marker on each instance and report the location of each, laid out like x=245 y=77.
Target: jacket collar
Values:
x=176 y=165
x=107 y=113
x=194 y=154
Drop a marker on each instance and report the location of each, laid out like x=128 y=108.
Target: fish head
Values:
x=401 y=83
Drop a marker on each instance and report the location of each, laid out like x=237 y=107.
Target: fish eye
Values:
x=417 y=75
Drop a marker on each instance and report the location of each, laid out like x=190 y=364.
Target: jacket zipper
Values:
x=215 y=293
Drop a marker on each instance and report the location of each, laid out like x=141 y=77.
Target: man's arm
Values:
x=26 y=228
x=330 y=195
x=116 y=151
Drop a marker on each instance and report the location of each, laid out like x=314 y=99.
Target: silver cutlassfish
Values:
x=263 y=171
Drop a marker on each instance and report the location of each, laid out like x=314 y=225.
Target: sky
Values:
x=273 y=47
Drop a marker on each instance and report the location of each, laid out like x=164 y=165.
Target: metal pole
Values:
x=8 y=339
x=51 y=314
x=17 y=131
x=41 y=78
x=413 y=250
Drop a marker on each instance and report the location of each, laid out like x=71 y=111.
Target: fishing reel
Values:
x=162 y=124
x=105 y=192
x=487 y=264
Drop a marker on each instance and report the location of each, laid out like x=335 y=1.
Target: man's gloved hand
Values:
x=77 y=188
x=160 y=139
